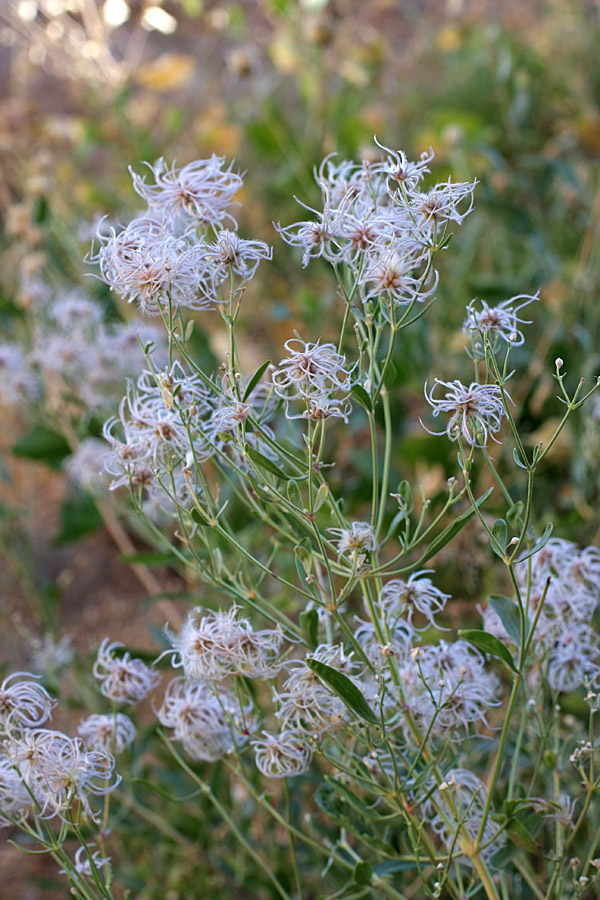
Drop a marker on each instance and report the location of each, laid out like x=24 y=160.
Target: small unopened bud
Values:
x=558 y=362
x=513 y=337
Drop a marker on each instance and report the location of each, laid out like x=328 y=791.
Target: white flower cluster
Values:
x=376 y=219
x=77 y=364
x=316 y=375
x=202 y=707
x=476 y=412
x=123 y=679
x=178 y=254
x=498 y=322
x=455 y=811
x=44 y=772
x=447 y=689
x=207 y=720
x=82 y=362
x=305 y=705
x=17 y=381
x=416 y=595
x=212 y=646
x=570 y=579
x=355 y=542
x=113 y=732
x=168 y=425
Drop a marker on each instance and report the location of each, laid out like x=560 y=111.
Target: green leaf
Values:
x=501 y=858
x=361 y=396
x=345 y=689
x=363 y=872
x=189 y=328
x=302 y=552
x=148 y=559
x=322 y=495
x=335 y=806
x=520 y=835
x=293 y=494
x=518 y=461
x=79 y=517
x=199 y=519
x=391 y=866
x=404 y=496
x=451 y=531
x=514 y=515
x=509 y=615
x=541 y=542
x=489 y=644
x=43 y=444
x=309 y=623
x=499 y=538
x=263 y=462
x=353 y=799
x=255 y=379
x=201 y=351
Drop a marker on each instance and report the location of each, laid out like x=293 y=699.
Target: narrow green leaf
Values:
x=489 y=644
x=361 y=396
x=263 y=462
x=148 y=559
x=79 y=517
x=322 y=495
x=309 y=623
x=344 y=688
x=391 y=866
x=451 y=531
x=353 y=799
x=293 y=493
x=508 y=613
x=255 y=379
x=303 y=551
x=514 y=515
x=541 y=542
x=189 y=328
x=521 y=835
x=363 y=873
x=42 y=444
x=404 y=495
x=499 y=538
x=199 y=519
x=518 y=461
x=335 y=806
x=501 y=858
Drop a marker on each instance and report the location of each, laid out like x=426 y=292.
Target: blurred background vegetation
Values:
x=508 y=93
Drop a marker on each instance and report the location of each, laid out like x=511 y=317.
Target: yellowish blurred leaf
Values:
x=588 y=132
x=449 y=38
x=167 y=73
x=562 y=448
x=354 y=73
x=211 y=129
x=284 y=54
